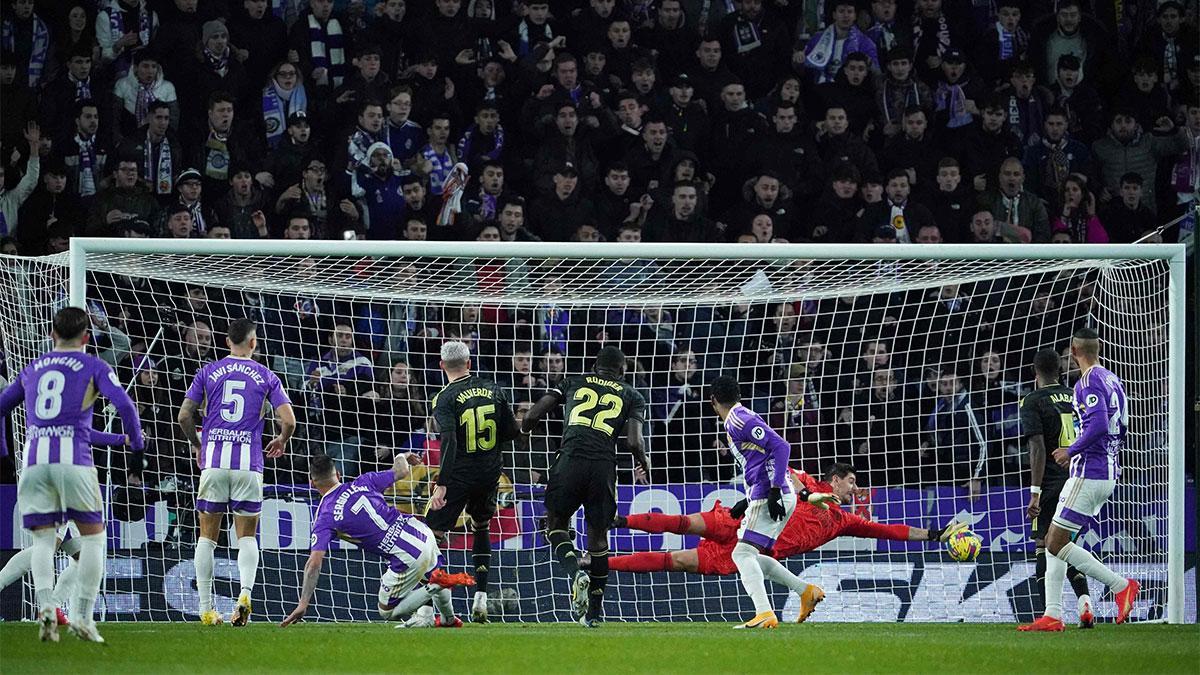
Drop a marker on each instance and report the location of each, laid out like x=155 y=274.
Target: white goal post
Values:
x=904 y=360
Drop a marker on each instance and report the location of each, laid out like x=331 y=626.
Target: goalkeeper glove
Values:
x=775 y=505
x=952 y=528
x=739 y=509
x=821 y=499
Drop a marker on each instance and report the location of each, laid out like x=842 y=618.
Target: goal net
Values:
x=906 y=362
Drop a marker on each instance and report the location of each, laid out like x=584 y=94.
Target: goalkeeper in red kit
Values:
x=811 y=525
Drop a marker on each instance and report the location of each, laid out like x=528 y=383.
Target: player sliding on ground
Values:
x=236 y=393
x=358 y=512
x=1103 y=413
x=476 y=426
x=809 y=527
x=597 y=408
x=58 y=478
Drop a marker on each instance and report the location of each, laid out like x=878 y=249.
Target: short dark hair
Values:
x=610 y=359
x=1132 y=178
x=219 y=97
x=838 y=470
x=240 y=330
x=85 y=103
x=1046 y=363
x=321 y=467
x=617 y=166
x=725 y=390
x=70 y=323
x=155 y=105
x=1085 y=333
x=362 y=107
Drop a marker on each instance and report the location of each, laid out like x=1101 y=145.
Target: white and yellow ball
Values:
x=964 y=546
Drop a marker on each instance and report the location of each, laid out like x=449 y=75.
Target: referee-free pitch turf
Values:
x=530 y=649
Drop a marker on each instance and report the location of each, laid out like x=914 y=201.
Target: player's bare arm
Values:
x=312 y=574
x=187 y=422
x=1037 y=470
x=544 y=405
x=286 y=418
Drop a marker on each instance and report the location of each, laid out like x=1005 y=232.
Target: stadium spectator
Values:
x=1128 y=148
x=126 y=197
x=12 y=200
x=143 y=86
x=337 y=382
x=1020 y=215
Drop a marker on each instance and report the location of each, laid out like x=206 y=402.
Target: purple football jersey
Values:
x=59 y=390
x=1102 y=413
x=235 y=392
x=762 y=452
x=358 y=513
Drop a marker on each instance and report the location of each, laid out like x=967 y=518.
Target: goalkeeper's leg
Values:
x=656 y=561
x=660 y=523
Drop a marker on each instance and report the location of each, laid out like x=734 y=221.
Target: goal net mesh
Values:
x=911 y=371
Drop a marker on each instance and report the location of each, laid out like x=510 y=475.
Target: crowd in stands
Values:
x=919 y=121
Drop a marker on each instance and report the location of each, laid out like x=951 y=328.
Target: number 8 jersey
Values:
x=596 y=409
x=235 y=393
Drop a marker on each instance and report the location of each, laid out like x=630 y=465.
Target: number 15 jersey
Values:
x=475 y=425
x=235 y=393
x=596 y=410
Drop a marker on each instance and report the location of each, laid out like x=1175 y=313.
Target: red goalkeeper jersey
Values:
x=811 y=526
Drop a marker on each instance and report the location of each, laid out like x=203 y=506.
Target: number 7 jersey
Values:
x=596 y=410
x=236 y=393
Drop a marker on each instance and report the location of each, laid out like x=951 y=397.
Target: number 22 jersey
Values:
x=596 y=409
x=235 y=392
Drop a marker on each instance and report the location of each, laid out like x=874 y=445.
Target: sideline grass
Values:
x=614 y=648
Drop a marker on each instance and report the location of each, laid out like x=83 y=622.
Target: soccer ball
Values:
x=964 y=546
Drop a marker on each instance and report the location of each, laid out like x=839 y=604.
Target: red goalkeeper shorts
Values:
x=715 y=552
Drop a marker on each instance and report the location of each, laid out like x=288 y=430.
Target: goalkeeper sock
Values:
x=564 y=550
x=775 y=571
x=64 y=588
x=1056 y=574
x=445 y=607
x=657 y=523
x=745 y=557
x=205 y=548
x=598 y=574
x=247 y=562
x=1039 y=579
x=646 y=561
x=1079 y=584
x=91 y=571
x=41 y=563
x=16 y=567
x=481 y=557
x=1087 y=563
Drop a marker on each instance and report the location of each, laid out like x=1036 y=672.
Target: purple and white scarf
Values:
x=325 y=44
x=41 y=46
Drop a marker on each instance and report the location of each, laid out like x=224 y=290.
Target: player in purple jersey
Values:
x=236 y=393
x=357 y=512
x=58 y=479
x=763 y=455
x=1102 y=411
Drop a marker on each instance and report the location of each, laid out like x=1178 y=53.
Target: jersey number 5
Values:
x=481 y=428
x=611 y=403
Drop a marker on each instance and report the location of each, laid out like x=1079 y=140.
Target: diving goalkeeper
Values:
x=810 y=526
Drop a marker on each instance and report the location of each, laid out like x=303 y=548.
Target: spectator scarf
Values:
x=443 y=165
x=464 y=143
x=553 y=324
x=317 y=203
x=884 y=35
x=360 y=143
x=452 y=193
x=216 y=156
x=823 y=55
x=1058 y=164
x=952 y=98
x=897 y=96
x=116 y=23
x=1170 y=63
x=1185 y=176
x=218 y=63
x=87 y=162
x=145 y=96
x=942 y=35
x=83 y=88
x=325 y=46
x=41 y=46
x=1025 y=117
x=897 y=222
x=1011 y=44
x=1012 y=208
x=812 y=18
x=747 y=34
x=158 y=167
x=524 y=42
x=198 y=223
x=277 y=104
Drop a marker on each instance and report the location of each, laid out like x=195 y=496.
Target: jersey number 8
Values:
x=599 y=421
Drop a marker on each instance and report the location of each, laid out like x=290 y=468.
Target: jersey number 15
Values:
x=480 y=427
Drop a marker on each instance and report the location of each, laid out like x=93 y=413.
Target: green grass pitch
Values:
x=612 y=648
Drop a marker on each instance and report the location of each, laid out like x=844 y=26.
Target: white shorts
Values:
x=52 y=494
x=393 y=586
x=1080 y=501
x=233 y=490
x=759 y=528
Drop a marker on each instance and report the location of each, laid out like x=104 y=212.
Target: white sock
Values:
x=91 y=572
x=775 y=571
x=414 y=600
x=205 y=548
x=64 y=588
x=247 y=562
x=441 y=600
x=1084 y=600
x=16 y=567
x=41 y=563
x=1087 y=563
x=745 y=557
x=1056 y=575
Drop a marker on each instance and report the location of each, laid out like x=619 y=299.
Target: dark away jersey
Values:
x=1049 y=411
x=475 y=422
x=595 y=409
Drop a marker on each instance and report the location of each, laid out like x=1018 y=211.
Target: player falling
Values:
x=357 y=512
x=810 y=526
x=58 y=478
x=597 y=408
x=475 y=421
x=1047 y=413
x=236 y=393
x=1103 y=412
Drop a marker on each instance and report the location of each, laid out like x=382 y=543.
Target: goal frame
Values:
x=1174 y=254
